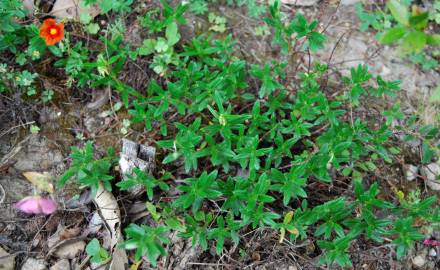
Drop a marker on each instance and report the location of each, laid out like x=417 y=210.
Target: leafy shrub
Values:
x=408 y=29
x=254 y=149
x=89 y=171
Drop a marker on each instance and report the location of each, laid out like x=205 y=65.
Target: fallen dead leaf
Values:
x=69 y=233
x=70 y=249
x=7 y=261
x=109 y=211
x=29 y=6
x=71 y=9
x=136 y=265
x=41 y=181
x=61 y=265
x=95 y=224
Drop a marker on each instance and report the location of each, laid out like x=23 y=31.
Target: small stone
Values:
x=385 y=71
x=34 y=264
x=300 y=3
x=419 y=261
x=431 y=172
x=432 y=252
x=411 y=172
x=349 y=2
x=61 y=265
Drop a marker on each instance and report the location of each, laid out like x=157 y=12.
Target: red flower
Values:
x=52 y=32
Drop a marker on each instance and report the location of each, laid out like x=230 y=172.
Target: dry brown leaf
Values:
x=109 y=210
x=29 y=6
x=301 y=3
x=69 y=233
x=41 y=181
x=135 y=265
x=70 y=9
x=7 y=261
x=71 y=249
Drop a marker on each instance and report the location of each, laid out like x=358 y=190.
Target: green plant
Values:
x=96 y=252
x=254 y=8
x=141 y=178
x=267 y=77
x=406 y=235
x=378 y=20
x=336 y=251
x=427 y=63
x=224 y=231
x=23 y=81
x=185 y=145
x=147 y=241
x=245 y=144
x=47 y=95
x=163 y=49
x=218 y=23
x=434 y=14
x=110 y=5
x=299 y=25
x=89 y=172
x=291 y=184
x=12 y=32
x=410 y=29
x=196 y=190
x=196 y=231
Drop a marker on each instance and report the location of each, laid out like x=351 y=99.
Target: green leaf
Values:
x=147 y=47
x=106 y=6
x=92 y=28
x=399 y=12
x=152 y=210
x=55 y=51
x=433 y=40
x=172 y=34
x=419 y=21
x=170 y=158
x=427 y=153
x=93 y=247
x=85 y=18
x=161 y=46
x=435 y=97
x=415 y=41
x=392 y=35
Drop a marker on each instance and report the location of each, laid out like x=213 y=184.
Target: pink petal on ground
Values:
x=48 y=206
x=37 y=205
x=427 y=242
x=29 y=205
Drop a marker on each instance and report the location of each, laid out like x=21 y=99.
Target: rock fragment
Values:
x=431 y=172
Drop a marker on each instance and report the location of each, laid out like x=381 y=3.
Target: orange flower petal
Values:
x=51 y=32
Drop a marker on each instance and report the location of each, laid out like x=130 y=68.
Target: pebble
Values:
x=419 y=261
x=34 y=264
x=300 y=3
x=349 y=2
x=385 y=71
x=432 y=252
x=431 y=172
x=411 y=172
